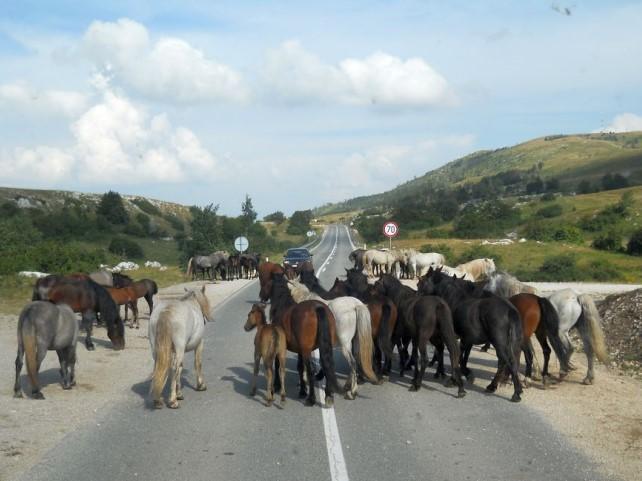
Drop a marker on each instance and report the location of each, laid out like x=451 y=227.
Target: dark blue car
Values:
x=297 y=256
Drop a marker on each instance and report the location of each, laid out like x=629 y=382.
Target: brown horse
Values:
x=308 y=325
x=383 y=315
x=146 y=288
x=266 y=271
x=89 y=298
x=129 y=297
x=539 y=317
x=269 y=344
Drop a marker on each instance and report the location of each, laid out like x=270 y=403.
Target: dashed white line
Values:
x=338 y=469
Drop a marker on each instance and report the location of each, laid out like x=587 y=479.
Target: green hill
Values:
x=566 y=159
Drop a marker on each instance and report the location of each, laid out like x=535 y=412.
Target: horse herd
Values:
x=367 y=320
x=49 y=321
x=222 y=264
x=365 y=317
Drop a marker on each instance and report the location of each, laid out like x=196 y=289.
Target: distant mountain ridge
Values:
x=567 y=158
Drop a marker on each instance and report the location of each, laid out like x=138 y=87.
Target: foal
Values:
x=269 y=343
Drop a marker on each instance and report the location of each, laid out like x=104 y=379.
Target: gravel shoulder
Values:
x=29 y=428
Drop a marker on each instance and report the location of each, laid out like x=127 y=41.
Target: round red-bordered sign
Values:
x=390 y=229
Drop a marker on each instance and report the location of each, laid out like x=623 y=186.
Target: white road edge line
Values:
x=338 y=469
x=350 y=237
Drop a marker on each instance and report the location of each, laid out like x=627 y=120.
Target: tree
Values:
x=300 y=222
x=247 y=212
x=535 y=187
x=634 y=246
x=206 y=232
x=585 y=187
x=111 y=207
x=277 y=217
x=614 y=181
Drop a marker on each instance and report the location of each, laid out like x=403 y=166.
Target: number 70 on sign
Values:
x=390 y=229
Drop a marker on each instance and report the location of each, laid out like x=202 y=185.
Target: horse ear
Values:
x=186 y=289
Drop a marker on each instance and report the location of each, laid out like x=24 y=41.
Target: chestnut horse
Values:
x=89 y=298
x=129 y=297
x=269 y=344
x=266 y=271
x=308 y=325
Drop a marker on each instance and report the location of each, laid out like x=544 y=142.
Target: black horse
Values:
x=423 y=318
x=480 y=317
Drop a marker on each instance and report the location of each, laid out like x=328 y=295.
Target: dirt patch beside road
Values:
x=28 y=428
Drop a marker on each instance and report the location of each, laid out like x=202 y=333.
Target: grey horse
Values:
x=356 y=256
x=43 y=327
x=216 y=261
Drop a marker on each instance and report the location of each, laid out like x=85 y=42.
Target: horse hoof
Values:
x=491 y=388
x=37 y=395
x=173 y=405
x=283 y=399
x=18 y=394
x=449 y=383
x=516 y=398
x=413 y=388
x=329 y=401
x=252 y=392
x=66 y=387
x=309 y=402
x=319 y=376
x=360 y=380
x=302 y=394
x=380 y=381
x=349 y=396
x=90 y=347
x=179 y=396
x=268 y=403
x=461 y=394
x=201 y=387
x=158 y=404
x=587 y=381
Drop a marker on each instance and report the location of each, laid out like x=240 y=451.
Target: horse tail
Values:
x=30 y=346
x=447 y=328
x=364 y=333
x=189 y=267
x=515 y=333
x=383 y=337
x=163 y=347
x=592 y=316
x=325 y=349
x=551 y=321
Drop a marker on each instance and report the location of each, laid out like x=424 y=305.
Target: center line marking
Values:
x=338 y=469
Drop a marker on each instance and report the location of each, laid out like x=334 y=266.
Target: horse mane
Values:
x=301 y=292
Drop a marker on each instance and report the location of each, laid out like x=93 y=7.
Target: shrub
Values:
x=277 y=217
x=126 y=248
x=558 y=268
x=547 y=197
x=550 y=231
x=135 y=229
x=611 y=241
x=549 y=211
x=634 y=246
x=485 y=219
x=111 y=208
x=175 y=222
x=602 y=270
x=146 y=206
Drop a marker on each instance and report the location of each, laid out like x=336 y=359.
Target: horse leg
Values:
x=497 y=378
x=582 y=326
x=149 y=297
x=455 y=355
x=177 y=367
x=299 y=367
x=277 y=368
x=351 y=383
x=198 y=367
x=40 y=356
x=311 y=399
x=71 y=362
x=64 y=369
x=88 y=321
x=255 y=373
x=17 y=390
x=439 y=356
x=529 y=356
x=279 y=364
x=465 y=354
x=419 y=345
x=485 y=347
x=511 y=362
x=269 y=379
x=540 y=333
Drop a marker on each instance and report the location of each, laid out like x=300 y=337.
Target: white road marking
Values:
x=350 y=237
x=338 y=469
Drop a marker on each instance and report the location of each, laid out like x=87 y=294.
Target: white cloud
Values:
x=626 y=122
x=116 y=141
x=168 y=69
x=380 y=79
x=39 y=102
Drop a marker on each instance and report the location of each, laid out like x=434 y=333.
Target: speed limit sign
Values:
x=390 y=229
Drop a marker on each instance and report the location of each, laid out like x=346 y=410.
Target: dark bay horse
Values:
x=308 y=325
x=89 y=298
x=43 y=327
x=356 y=257
x=480 y=317
x=266 y=271
x=424 y=318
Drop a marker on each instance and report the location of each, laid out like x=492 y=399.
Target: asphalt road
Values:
x=386 y=433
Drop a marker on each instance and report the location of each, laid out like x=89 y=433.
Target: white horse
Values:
x=478 y=268
x=506 y=286
x=177 y=326
x=352 y=319
x=578 y=310
x=374 y=257
x=452 y=271
x=420 y=262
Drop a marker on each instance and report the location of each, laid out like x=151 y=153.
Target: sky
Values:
x=298 y=103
